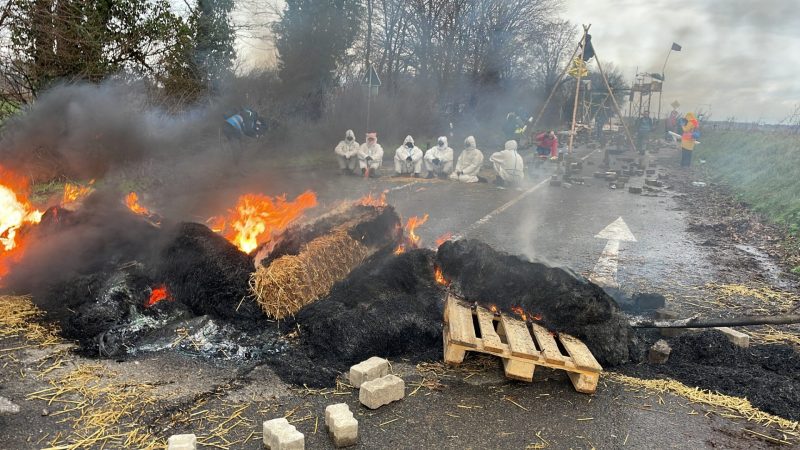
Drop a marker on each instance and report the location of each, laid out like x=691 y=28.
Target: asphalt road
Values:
x=479 y=411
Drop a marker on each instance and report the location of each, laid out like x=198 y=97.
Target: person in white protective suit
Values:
x=439 y=159
x=347 y=153
x=469 y=163
x=408 y=158
x=508 y=165
x=370 y=156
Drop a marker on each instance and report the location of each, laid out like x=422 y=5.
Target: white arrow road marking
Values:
x=605 y=271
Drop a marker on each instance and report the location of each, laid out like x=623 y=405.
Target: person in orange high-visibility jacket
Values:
x=690 y=132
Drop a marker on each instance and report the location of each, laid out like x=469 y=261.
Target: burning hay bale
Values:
x=389 y=306
x=559 y=300
x=95 y=270
x=305 y=272
x=204 y=271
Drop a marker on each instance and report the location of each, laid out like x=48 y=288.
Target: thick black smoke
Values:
x=82 y=131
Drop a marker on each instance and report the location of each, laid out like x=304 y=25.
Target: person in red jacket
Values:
x=547 y=144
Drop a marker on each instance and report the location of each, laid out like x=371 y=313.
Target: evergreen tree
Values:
x=313 y=38
x=214 y=38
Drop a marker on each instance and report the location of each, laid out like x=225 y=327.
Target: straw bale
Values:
x=293 y=281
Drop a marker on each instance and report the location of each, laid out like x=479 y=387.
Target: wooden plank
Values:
x=450 y=299
x=453 y=353
x=580 y=354
x=519 y=370
x=462 y=331
x=519 y=338
x=491 y=341
x=548 y=345
x=584 y=383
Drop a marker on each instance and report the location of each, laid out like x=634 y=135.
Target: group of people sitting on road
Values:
x=436 y=162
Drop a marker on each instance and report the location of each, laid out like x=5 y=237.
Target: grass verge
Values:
x=763 y=169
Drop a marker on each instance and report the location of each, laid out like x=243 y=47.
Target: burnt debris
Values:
x=766 y=375
x=564 y=301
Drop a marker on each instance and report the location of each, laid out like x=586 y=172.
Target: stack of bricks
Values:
x=279 y=434
x=342 y=426
x=376 y=386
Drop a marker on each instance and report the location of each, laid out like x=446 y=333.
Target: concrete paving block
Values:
x=8 y=407
x=342 y=426
x=289 y=438
x=659 y=352
x=736 y=337
x=335 y=410
x=182 y=442
x=272 y=428
x=368 y=370
x=382 y=391
x=634 y=189
x=279 y=434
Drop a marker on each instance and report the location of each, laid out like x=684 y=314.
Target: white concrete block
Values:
x=289 y=439
x=342 y=426
x=736 y=337
x=368 y=370
x=382 y=391
x=335 y=410
x=279 y=434
x=182 y=442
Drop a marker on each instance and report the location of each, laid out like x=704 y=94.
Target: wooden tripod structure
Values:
x=617 y=109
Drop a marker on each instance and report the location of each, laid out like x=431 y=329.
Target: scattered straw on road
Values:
x=723 y=405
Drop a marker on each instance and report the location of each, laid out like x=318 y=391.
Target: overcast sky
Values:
x=741 y=57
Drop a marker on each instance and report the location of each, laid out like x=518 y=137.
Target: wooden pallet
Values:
x=522 y=346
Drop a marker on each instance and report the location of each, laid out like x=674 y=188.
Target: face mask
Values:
x=349 y=138
x=441 y=143
x=409 y=145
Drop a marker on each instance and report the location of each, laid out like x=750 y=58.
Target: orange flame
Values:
x=400 y=249
x=216 y=224
x=537 y=317
x=257 y=218
x=132 y=202
x=494 y=310
x=15 y=212
x=443 y=238
x=520 y=312
x=74 y=193
x=369 y=200
x=411 y=226
x=158 y=294
x=439 y=276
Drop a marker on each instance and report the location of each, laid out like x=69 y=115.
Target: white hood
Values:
x=469 y=143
